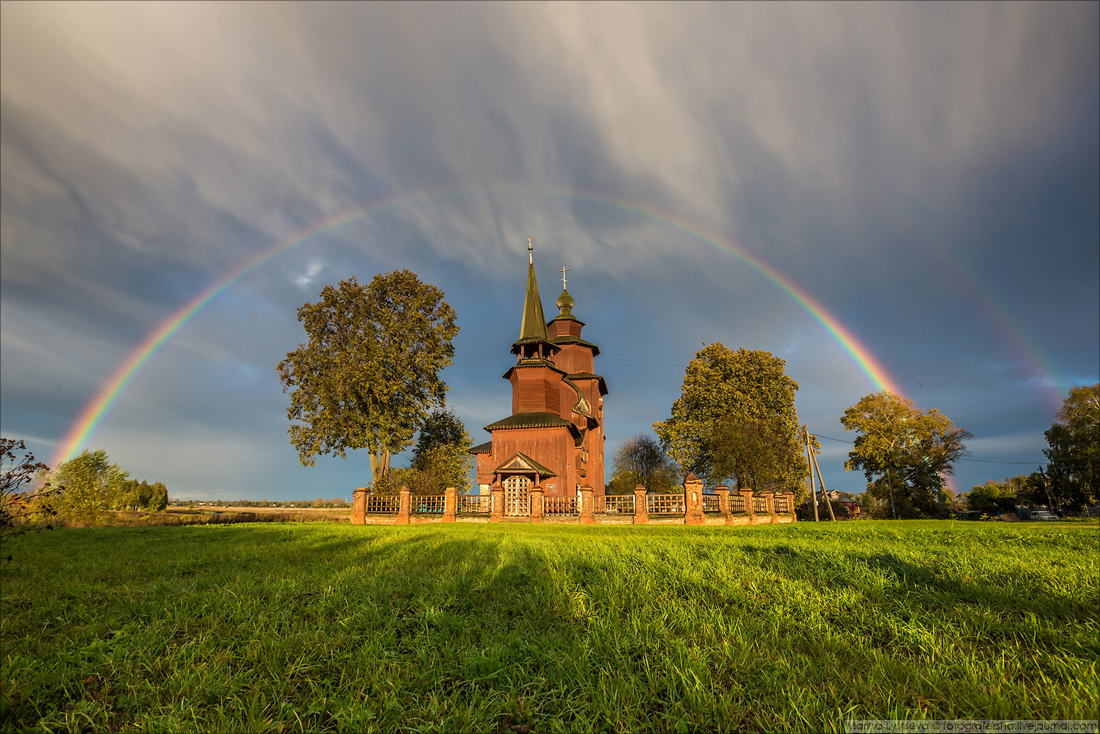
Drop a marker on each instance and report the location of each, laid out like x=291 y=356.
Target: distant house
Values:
x=845 y=506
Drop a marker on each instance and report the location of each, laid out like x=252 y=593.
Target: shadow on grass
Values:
x=917 y=590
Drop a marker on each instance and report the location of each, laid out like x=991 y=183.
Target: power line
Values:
x=920 y=383
x=838 y=440
x=980 y=461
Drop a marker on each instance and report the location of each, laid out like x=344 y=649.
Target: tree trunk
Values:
x=890 y=487
x=379 y=464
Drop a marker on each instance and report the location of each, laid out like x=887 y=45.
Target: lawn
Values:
x=517 y=628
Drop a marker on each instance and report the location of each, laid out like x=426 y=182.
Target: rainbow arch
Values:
x=98 y=408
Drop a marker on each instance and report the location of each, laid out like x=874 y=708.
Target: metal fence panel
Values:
x=433 y=504
x=383 y=504
x=665 y=504
x=475 y=503
x=560 y=506
x=616 y=504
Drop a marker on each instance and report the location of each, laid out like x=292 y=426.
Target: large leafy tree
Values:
x=369 y=375
x=641 y=460
x=88 y=485
x=1074 y=448
x=905 y=453
x=723 y=392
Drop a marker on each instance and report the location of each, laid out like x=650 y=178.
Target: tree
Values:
x=88 y=485
x=19 y=499
x=992 y=498
x=1034 y=488
x=1025 y=488
x=369 y=375
x=759 y=453
x=904 y=453
x=135 y=495
x=732 y=389
x=440 y=460
x=1074 y=449
x=641 y=460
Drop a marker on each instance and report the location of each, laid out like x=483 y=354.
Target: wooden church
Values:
x=554 y=438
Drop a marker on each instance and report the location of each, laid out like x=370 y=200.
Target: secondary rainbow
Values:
x=97 y=409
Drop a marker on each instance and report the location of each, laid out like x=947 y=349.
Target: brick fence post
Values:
x=641 y=515
x=404 y=507
x=586 y=508
x=769 y=502
x=538 y=498
x=723 y=493
x=450 y=504
x=359 y=506
x=746 y=498
x=497 y=494
x=693 y=499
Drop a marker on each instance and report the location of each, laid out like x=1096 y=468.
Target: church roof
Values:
x=589 y=376
x=530 y=364
x=520 y=462
x=532 y=328
x=582 y=406
x=532 y=420
x=533 y=325
x=575 y=340
x=482 y=448
x=565 y=307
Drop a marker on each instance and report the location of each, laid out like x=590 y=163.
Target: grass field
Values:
x=518 y=628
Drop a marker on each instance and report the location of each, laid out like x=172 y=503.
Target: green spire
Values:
x=534 y=324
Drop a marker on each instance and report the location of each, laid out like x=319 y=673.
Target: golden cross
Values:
x=562 y=271
x=530 y=247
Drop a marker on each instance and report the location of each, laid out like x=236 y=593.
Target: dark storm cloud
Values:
x=927 y=173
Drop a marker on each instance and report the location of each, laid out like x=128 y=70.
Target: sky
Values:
x=884 y=195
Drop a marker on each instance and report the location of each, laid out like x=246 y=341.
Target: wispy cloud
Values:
x=908 y=164
x=315 y=267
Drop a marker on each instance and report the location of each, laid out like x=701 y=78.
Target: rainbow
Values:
x=99 y=407
x=914 y=228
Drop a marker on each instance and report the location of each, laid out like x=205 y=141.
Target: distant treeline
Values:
x=232 y=518
x=338 y=503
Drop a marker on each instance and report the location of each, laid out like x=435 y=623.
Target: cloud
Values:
x=925 y=172
x=314 y=267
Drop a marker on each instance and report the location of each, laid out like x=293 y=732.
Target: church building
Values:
x=554 y=437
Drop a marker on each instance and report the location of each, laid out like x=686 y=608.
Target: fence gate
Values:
x=517 y=497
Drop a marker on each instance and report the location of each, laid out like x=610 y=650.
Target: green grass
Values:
x=319 y=627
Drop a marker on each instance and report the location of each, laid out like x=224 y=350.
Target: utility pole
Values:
x=824 y=491
x=809 y=464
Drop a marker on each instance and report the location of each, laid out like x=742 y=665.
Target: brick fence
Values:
x=690 y=507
